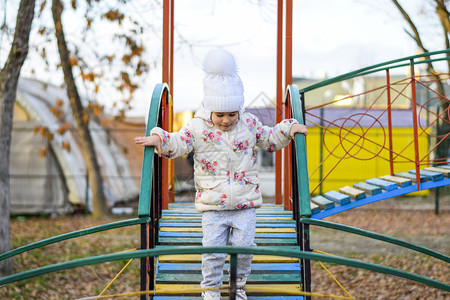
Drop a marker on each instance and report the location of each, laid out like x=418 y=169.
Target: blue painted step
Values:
x=278 y=235
x=339 y=198
x=412 y=176
x=323 y=202
x=273 y=267
x=385 y=185
x=249 y=298
x=432 y=176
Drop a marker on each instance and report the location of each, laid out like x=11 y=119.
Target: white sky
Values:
x=329 y=37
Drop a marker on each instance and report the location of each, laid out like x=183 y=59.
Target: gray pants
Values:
x=236 y=227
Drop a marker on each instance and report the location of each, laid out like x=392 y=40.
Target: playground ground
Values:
x=408 y=218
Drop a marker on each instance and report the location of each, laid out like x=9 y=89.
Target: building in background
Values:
x=46 y=177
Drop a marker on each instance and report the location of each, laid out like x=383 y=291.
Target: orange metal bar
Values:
x=279 y=103
x=171 y=167
x=166 y=42
x=166 y=78
x=172 y=12
x=288 y=50
x=414 y=112
x=391 y=146
x=287 y=194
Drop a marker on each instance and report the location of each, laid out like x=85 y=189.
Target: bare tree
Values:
x=87 y=145
x=9 y=77
x=443 y=14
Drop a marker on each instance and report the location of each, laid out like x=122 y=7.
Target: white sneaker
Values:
x=211 y=295
x=240 y=294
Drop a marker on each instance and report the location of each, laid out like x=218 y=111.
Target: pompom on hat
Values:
x=223 y=90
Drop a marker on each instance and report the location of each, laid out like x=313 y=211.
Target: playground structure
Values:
x=281 y=266
x=282 y=262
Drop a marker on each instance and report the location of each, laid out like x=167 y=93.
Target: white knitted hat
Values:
x=222 y=87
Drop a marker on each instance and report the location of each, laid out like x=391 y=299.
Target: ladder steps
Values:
x=177 y=274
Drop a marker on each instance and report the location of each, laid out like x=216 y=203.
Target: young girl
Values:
x=223 y=138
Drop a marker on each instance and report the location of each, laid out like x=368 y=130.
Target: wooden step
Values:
x=400 y=181
x=322 y=202
x=282 y=235
x=251 y=297
x=199 y=229
x=353 y=193
x=251 y=289
x=338 y=198
x=199 y=225
x=198 y=241
x=195 y=258
x=432 y=176
x=284 y=297
x=257 y=267
x=369 y=189
x=445 y=172
x=266 y=277
x=385 y=185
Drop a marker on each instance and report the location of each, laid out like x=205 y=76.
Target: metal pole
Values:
x=279 y=103
x=233 y=272
x=321 y=151
x=391 y=146
x=414 y=113
x=436 y=193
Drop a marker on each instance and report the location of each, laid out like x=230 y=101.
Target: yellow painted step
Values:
x=198 y=229
x=268 y=289
x=191 y=258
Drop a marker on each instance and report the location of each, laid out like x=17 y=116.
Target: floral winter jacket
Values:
x=225 y=169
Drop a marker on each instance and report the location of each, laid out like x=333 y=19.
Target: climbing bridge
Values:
x=362 y=141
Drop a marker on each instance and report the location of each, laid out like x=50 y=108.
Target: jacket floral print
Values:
x=225 y=168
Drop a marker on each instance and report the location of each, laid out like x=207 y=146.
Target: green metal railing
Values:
x=392 y=64
x=233 y=251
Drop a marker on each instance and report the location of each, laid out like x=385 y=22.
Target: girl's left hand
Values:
x=297 y=128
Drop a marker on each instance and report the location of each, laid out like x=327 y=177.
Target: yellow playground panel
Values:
x=362 y=154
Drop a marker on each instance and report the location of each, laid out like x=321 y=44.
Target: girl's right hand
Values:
x=153 y=140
